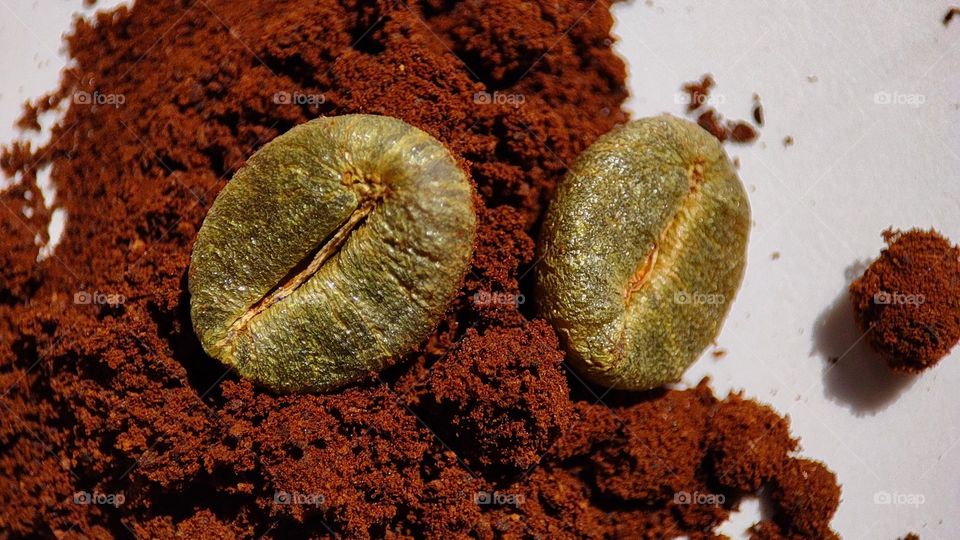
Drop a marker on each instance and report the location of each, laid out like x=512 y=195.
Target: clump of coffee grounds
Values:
x=750 y=443
x=737 y=131
x=908 y=301
x=481 y=432
x=804 y=498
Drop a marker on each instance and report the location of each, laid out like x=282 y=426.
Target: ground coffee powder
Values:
x=116 y=424
x=907 y=302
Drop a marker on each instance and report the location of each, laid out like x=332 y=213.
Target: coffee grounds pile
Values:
x=117 y=424
x=908 y=301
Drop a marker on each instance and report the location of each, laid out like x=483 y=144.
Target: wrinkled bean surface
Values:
x=333 y=251
x=643 y=249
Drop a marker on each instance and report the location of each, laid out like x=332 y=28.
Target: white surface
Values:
x=856 y=168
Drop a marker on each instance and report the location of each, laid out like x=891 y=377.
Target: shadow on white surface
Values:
x=858 y=378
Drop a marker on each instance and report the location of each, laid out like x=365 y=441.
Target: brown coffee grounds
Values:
x=22 y=231
x=951 y=13
x=788 y=141
x=741 y=132
x=481 y=433
x=757 y=110
x=738 y=131
x=750 y=444
x=698 y=92
x=711 y=121
x=911 y=536
x=908 y=301
x=806 y=497
x=501 y=400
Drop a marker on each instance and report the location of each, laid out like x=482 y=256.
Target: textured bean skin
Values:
x=643 y=249
x=333 y=251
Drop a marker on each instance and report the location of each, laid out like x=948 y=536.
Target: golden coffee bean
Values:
x=643 y=249
x=332 y=252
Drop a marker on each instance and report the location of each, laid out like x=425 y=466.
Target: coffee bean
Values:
x=335 y=250
x=643 y=249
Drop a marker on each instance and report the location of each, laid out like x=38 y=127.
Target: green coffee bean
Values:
x=643 y=249
x=333 y=251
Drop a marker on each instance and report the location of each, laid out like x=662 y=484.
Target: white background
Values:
x=856 y=168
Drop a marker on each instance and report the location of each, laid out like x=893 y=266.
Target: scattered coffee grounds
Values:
x=951 y=13
x=908 y=300
x=788 y=141
x=698 y=92
x=911 y=536
x=757 y=110
x=117 y=424
x=712 y=122
x=741 y=132
x=738 y=131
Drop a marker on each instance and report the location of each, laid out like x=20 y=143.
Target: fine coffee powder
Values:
x=116 y=423
x=907 y=302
